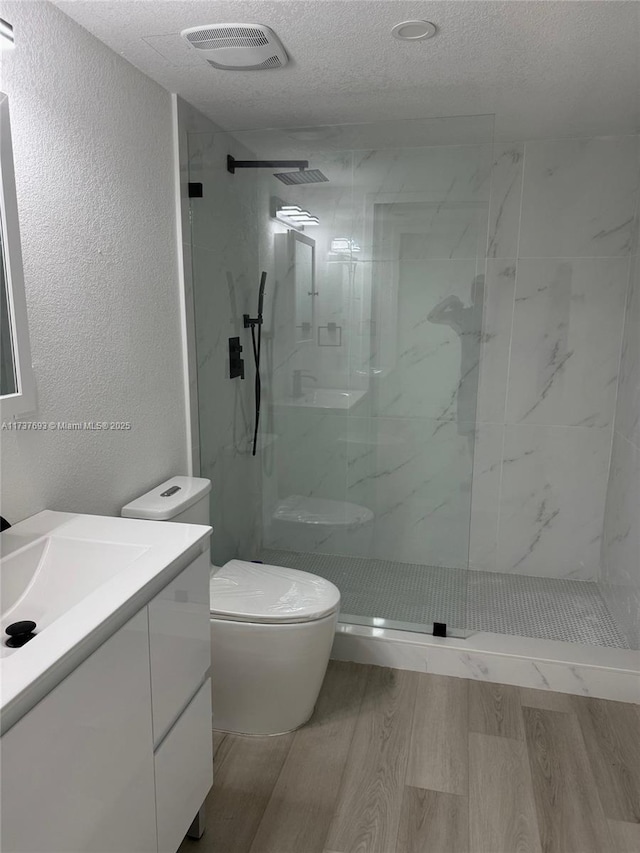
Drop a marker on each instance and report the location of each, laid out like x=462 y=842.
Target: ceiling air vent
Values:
x=237 y=47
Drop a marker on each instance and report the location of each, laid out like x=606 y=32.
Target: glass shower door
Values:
x=411 y=445
x=371 y=338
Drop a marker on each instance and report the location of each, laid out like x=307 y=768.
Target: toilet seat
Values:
x=263 y=594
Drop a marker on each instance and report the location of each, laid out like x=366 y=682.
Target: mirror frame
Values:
x=23 y=400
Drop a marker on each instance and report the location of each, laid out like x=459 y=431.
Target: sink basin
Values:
x=79 y=578
x=326 y=398
x=18 y=571
x=44 y=579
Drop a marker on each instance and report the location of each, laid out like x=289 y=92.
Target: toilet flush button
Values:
x=170 y=491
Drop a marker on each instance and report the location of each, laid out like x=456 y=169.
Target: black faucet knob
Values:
x=20 y=633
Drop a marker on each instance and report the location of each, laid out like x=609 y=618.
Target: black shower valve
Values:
x=236 y=362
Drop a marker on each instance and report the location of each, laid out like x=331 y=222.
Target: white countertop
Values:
x=147 y=555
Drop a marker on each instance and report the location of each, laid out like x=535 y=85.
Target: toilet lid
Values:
x=254 y=592
x=322 y=511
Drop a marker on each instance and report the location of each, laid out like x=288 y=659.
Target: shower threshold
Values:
x=411 y=597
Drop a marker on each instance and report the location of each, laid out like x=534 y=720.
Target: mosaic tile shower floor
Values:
x=544 y=608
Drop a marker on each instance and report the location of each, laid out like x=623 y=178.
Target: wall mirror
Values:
x=296 y=268
x=303 y=258
x=17 y=385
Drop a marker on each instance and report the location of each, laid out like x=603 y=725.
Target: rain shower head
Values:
x=304 y=176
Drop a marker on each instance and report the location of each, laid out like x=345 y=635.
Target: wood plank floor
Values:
x=404 y=762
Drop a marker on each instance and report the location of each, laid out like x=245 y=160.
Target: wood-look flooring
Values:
x=404 y=762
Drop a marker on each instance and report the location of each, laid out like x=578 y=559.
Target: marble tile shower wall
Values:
x=621 y=543
x=562 y=225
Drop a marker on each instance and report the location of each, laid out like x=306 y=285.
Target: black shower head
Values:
x=304 y=176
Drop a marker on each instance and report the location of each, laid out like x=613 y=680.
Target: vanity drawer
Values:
x=179 y=644
x=184 y=771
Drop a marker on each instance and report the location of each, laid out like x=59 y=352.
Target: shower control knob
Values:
x=20 y=633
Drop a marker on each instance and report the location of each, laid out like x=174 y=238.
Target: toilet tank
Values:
x=183 y=499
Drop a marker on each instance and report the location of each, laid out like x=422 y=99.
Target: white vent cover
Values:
x=237 y=47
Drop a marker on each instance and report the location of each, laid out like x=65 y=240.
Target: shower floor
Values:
x=544 y=608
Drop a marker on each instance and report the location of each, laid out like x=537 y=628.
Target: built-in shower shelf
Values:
x=325 y=398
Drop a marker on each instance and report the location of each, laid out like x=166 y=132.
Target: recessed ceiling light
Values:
x=414 y=30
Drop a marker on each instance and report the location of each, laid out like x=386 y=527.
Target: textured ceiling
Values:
x=544 y=68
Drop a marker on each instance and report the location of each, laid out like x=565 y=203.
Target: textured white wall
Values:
x=93 y=157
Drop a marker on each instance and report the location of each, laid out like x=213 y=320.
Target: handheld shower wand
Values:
x=263 y=281
x=251 y=323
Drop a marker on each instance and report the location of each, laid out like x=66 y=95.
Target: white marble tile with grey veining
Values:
x=442 y=173
x=415 y=475
x=438 y=196
x=434 y=374
x=579 y=197
x=485 y=500
x=621 y=539
x=628 y=406
x=311 y=458
x=567 y=330
x=496 y=340
x=488 y=657
x=506 y=194
x=224 y=218
x=418 y=230
x=580 y=680
x=554 y=482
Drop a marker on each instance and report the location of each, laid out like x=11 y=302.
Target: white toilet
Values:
x=272 y=628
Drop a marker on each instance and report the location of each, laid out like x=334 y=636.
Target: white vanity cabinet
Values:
x=118 y=756
x=180 y=649
x=77 y=770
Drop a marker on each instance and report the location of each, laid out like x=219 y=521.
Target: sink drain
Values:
x=20 y=633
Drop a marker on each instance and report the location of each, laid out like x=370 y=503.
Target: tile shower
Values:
x=488 y=310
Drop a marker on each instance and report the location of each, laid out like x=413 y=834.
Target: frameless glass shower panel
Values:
x=373 y=240
x=225 y=275
x=306 y=344
x=423 y=220
x=371 y=416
